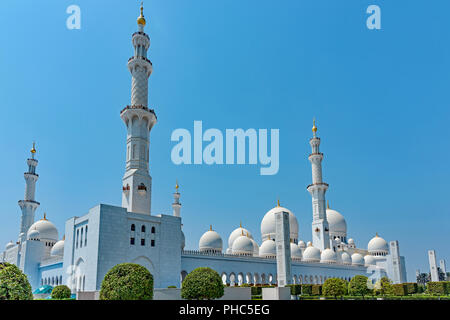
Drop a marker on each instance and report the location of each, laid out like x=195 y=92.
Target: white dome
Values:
x=33 y=234
x=377 y=245
x=346 y=259
x=369 y=260
x=210 y=241
x=351 y=241
x=47 y=230
x=255 y=248
x=336 y=223
x=236 y=234
x=311 y=254
x=58 y=249
x=328 y=256
x=302 y=244
x=183 y=240
x=243 y=246
x=9 y=245
x=296 y=252
x=357 y=259
x=268 y=224
x=268 y=249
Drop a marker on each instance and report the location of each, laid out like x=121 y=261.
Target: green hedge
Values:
x=256 y=291
x=399 y=289
x=437 y=288
x=306 y=289
x=316 y=290
x=296 y=289
x=411 y=287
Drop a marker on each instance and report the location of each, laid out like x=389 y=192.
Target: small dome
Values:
x=296 y=252
x=357 y=259
x=236 y=234
x=58 y=249
x=268 y=224
x=243 y=246
x=351 y=241
x=9 y=245
x=369 y=260
x=255 y=248
x=338 y=241
x=336 y=223
x=377 y=245
x=210 y=242
x=311 y=254
x=302 y=244
x=268 y=249
x=183 y=240
x=33 y=234
x=309 y=243
x=328 y=256
x=346 y=259
x=47 y=230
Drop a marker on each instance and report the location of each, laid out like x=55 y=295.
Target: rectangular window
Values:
x=142 y=242
x=132 y=241
x=153 y=243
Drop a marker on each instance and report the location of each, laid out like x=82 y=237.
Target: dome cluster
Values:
x=343 y=251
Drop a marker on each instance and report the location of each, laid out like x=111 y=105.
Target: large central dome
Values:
x=268 y=224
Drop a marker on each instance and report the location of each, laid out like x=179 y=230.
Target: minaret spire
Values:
x=317 y=189
x=176 y=205
x=29 y=204
x=139 y=120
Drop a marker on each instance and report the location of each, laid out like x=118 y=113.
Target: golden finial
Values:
x=141 y=19
x=64 y=238
x=314 y=128
x=328 y=204
x=278 y=202
x=33 y=150
x=240 y=224
x=242 y=232
x=376 y=235
x=45 y=217
x=247 y=235
x=210 y=227
x=269 y=236
x=177 y=186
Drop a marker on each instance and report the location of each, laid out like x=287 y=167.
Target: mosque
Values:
x=107 y=235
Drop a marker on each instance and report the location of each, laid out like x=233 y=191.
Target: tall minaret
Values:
x=320 y=230
x=29 y=204
x=176 y=205
x=139 y=119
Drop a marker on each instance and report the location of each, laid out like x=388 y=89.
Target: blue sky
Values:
x=380 y=99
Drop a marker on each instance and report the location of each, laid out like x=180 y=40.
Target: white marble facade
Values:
x=107 y=235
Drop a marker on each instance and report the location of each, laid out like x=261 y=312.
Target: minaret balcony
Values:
x=141 y=33
x=140 y=111
x=317 y=186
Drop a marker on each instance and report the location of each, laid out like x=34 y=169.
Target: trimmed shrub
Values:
x=411 y=287
x=171 y=287
x=127 y=281
x=436 y=288
x=334 y=287
x=14 y=283
x=383 y=287
x=399 y=289
x=61 y=292
x=296 y=289
x=202 y=283
x=358 y=286
x=316 y=290
x=245 y=285
x=256 y=291
x=306 y=289
x=421 y=288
